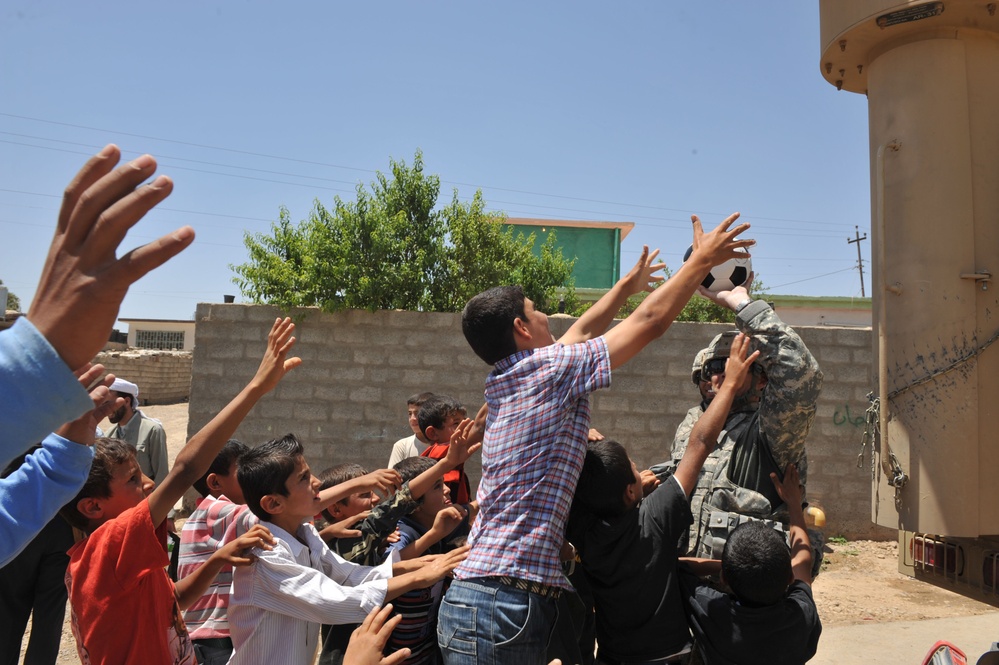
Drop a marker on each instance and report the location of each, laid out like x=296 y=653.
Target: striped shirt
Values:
x=278 y=602
x=215 y=522
x=532 y=454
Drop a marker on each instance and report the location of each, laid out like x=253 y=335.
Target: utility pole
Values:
x=860 y=261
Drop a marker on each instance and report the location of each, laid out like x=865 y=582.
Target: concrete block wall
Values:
x=347 y=401
x=163 y=377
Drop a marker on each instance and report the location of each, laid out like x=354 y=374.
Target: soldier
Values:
x=765 y=429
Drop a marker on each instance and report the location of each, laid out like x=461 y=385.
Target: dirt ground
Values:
x=859 y=582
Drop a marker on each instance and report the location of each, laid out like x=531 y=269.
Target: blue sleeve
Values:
x=38 y=392
x=31 y=496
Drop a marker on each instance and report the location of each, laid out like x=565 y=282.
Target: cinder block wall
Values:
x=347 y=401
x=162 y=376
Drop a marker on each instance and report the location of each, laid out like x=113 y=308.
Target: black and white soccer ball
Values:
x=728 y=275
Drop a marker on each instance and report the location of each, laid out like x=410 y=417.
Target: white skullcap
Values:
x=123 y=386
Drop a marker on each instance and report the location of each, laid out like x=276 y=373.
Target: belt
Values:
x=543 y=590
x=657 y=661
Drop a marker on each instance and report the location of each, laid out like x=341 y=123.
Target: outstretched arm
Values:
x=83 y=281
x=460 y=448
x=801 y=547
x=595 y=321
x=657 y=312
x=704 y=436
x=199 y=452
x=233 y=553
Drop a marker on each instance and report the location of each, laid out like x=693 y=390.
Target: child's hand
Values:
x=82 y=429
x=640 y=277
x=236 y=552
x=594 y=435
x=383 y=481
x=738 y=364
x=275 y=363
x=720 y=244
x=790 y=489
x=368 y=640
x=649 y=481
x=443 y=565
x=448 y=520
x=342 y=529
x=461 y=446
x=393 y=537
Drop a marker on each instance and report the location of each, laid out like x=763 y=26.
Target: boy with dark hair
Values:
x=116 y=575
x=278 y=603
x=407 y=446
x=424 y=530
x=627 y=543
x=217 y=515
x=538 y=420
x=770 y=617
x=439 y=416
x=382 y=520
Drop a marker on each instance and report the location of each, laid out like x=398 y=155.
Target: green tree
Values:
x=391 y=249
x=13 y=302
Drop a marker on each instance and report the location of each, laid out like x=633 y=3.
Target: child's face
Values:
x=436 y=499
x=443 y=435
x=414 y=421
x=302 y=501
x=129 y=486
x=357 y=503
x=229 y=485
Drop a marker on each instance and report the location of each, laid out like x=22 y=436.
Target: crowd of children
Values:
x=277 y=565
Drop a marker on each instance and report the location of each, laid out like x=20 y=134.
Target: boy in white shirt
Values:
x=278 y=603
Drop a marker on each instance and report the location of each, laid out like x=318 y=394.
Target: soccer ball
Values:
x=728 y=275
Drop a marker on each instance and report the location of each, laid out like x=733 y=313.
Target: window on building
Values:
x=159 y=339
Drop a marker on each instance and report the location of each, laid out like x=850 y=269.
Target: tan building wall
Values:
x=163 y=377
x=347 y=402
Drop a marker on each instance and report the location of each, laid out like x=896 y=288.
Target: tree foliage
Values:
x=13 y=302
x=391 y=248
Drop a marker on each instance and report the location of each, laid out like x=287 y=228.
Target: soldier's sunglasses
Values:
x=712 y=367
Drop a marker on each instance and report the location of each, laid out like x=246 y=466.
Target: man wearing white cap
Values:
x=143 y=432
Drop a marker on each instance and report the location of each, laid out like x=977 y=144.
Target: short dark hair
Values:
x=411 y=467
x=606 y=474
x=436 y=410
x=756 y=564
x=265 y=470
x=418 y=399
x=109 y=454
x=487 y=322
x=339 y=473
x=231 y=452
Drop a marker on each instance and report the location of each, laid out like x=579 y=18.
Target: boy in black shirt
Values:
x=628 y=546
x=770 y=617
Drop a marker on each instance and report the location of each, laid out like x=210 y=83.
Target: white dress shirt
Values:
x=278 y=602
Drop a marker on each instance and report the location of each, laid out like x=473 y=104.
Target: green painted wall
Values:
x=597 y=251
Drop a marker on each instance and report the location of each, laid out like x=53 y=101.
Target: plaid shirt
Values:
x=532 y=454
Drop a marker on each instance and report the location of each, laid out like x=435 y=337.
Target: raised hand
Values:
x=384 y=481
x=640 y=277
x=739 y=361
x=720 y=244
x=461 y=447
x=789 y=489
x=82 y=429
x=275 y=363
x=732 y=298
x=448 y=519
x=83 y=281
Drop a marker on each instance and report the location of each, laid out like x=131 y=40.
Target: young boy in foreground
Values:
x=278 y=603
x=770 y=617
x=535 y=441
x=627 y=544
x=116 y=575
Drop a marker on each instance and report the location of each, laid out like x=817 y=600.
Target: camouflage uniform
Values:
x=770 y=433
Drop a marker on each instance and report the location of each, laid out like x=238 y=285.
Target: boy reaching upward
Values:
x=116 y=575
x=501 y=606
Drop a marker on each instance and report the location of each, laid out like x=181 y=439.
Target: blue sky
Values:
x=638 y=111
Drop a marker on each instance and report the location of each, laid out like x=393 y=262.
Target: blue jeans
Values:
x=484 y=622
